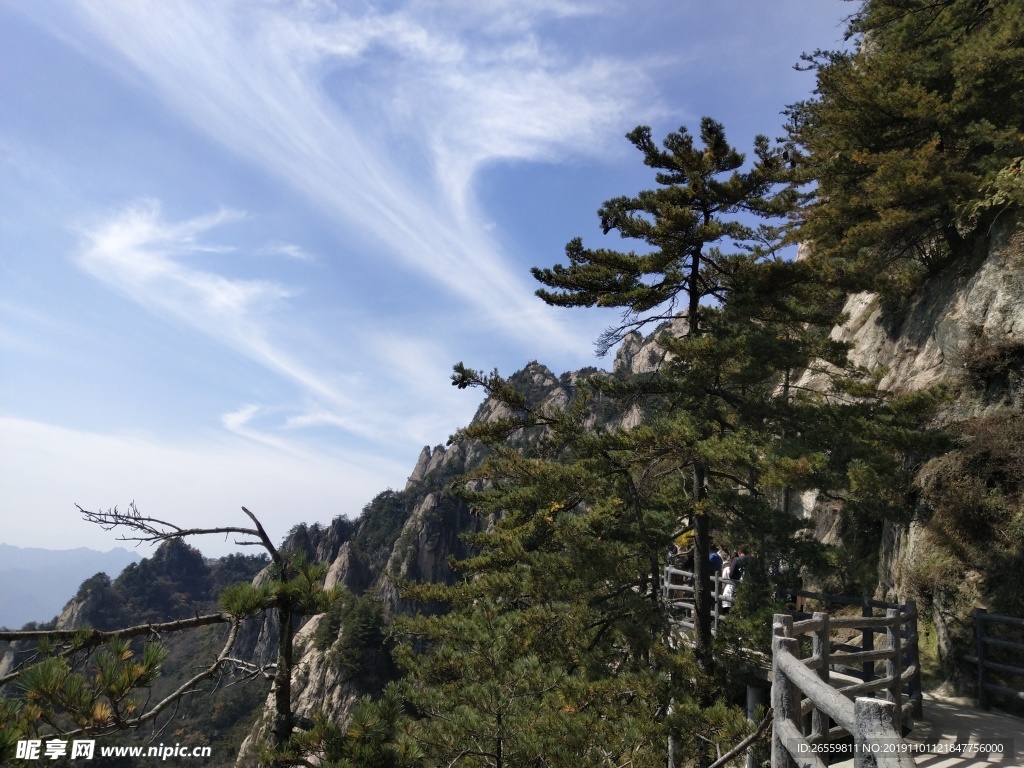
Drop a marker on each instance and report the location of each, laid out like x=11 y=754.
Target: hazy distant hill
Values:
x=36 y=583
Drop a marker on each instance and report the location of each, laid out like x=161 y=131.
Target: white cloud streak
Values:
x=140 y=255
x=379 y=389
x=351 y=105
x=289 y=250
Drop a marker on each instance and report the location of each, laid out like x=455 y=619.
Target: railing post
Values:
x=782 y=625
x=785 y=700
x=666 y=590
x=914 y=660
x=821 y=648
x=717 y=580
x=894 y=666
x=870 y=717
x=868 y=639
x=979 y=651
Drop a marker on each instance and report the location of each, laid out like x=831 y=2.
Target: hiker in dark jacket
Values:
x=739 y=563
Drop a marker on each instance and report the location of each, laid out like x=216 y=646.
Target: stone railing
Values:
x=986 y=646
x=806 y=704
x=678 y=592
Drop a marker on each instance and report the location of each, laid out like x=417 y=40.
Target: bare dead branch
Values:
x=267 y=543
x=250 y=670
x=735 y=751
x=94 y=637
x=153 y=528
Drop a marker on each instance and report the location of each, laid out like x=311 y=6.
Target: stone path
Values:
x=949 y=721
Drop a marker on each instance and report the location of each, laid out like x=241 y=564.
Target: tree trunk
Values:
x=282 y=728
x=701 y=572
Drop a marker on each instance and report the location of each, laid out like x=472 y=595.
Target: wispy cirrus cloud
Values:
x=141 y=255
x=385 y=117
x=289 y=250
x=163 y=266
x=137 y=252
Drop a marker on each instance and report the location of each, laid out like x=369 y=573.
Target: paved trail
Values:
x=954 y=721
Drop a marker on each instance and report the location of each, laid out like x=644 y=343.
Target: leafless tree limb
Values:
x=739 y=748
x=155 y=529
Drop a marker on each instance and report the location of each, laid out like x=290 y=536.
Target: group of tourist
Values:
x=730 y=566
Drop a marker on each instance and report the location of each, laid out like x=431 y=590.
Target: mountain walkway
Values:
x=953 y=729
x=845 y=688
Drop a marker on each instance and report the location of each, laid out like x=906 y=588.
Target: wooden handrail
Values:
x=985 y=665
x=872 y=723
x=835 y=599
x=900 y=683
x=997 y=618
x=825 y=697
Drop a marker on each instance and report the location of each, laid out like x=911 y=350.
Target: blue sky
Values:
x=242 y=243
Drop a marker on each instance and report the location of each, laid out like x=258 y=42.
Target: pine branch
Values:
x=87 y=639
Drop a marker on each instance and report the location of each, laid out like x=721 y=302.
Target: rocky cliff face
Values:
x=965 y=330
x=411 y=534
x=928 y=340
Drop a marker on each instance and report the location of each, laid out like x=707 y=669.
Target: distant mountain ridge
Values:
x=36 y=583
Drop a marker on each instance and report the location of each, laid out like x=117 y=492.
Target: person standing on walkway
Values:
x=739 y=563
x=730 y=588
x=715 y=559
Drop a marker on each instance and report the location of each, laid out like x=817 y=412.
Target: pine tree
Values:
x=732 y=429
x=720 y=412
x=557 y=647
x=904 y=136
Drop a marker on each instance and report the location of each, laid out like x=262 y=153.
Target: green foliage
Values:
x=97 y=695
x=377 y=737
x=749 y=622
x=912 y=142
x=381 y=522
x=705 y=199
x=303 y=590
x=163 y=586
x=975 y=513
x=516 y=688
x=244 y=600
x=354 y=628
x=1003 y=193
x=992 y=364
x=15 y=723
x=234 y=569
